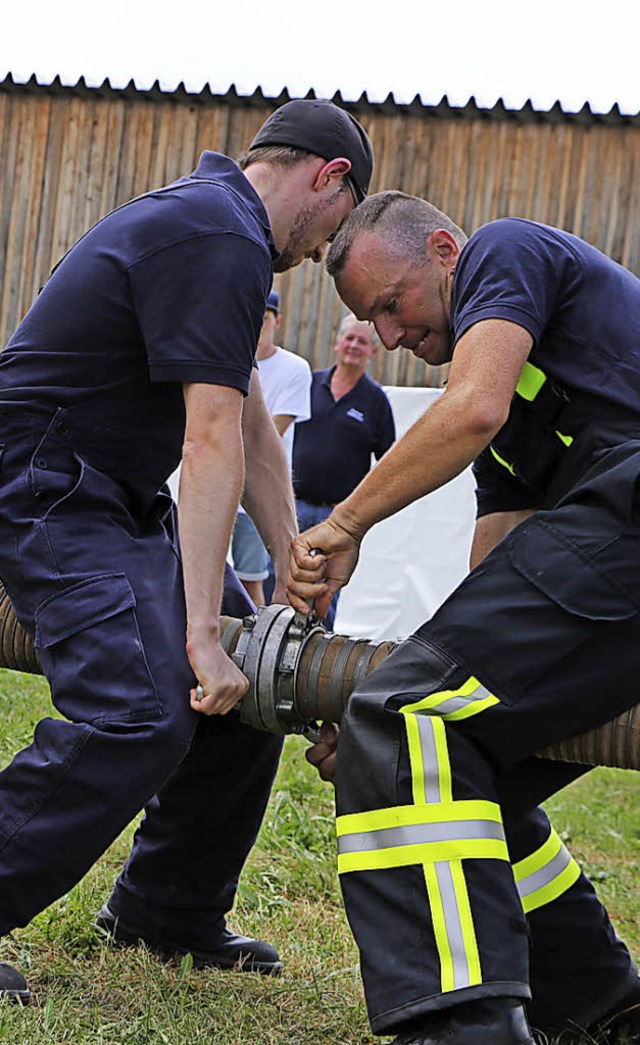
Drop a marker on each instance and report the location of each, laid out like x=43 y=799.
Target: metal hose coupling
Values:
x=299 y=673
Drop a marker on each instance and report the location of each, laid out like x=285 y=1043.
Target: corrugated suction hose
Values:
x=300 y=675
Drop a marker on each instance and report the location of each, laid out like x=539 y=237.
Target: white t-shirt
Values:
x=285 y=379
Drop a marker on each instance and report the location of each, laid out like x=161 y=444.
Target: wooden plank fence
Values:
x=69 y=155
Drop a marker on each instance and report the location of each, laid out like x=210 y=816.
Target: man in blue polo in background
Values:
x=351 y=419
x=138 y=353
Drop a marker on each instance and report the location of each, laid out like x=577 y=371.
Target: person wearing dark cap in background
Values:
x=139 y=351
x=285 y=381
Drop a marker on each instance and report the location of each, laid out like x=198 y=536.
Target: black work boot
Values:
x=621 y=1026
x=226 y=951
x=13 y=985
x=494 y=1021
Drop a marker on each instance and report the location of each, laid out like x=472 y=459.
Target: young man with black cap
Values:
x=139 y=351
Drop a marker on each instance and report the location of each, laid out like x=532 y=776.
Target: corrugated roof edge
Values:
x=443 y=109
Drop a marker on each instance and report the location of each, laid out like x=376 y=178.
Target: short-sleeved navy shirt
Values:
x=581 y=308
x=332 y=451
x=169 y=288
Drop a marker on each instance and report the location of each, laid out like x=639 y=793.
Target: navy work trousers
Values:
x=438 y=790
x=98 y=582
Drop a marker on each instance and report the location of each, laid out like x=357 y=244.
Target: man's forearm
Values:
x=485 y=370
x=207 y=506
x=439 y=446
x=268 y=494
x=210 y=486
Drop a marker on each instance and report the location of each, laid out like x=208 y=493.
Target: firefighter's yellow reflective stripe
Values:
x=431 y=783
x=562 y=881
x=501 y=460
x=449 y=904
x=538 y=859
x=430 y=852
x=453 y=926
x=408 y=815
x=469 y=709
x=430 y=767
x=419 y=834
x=439 y=922
x=451 y=705
x=442 y=837
x=405 y=835
x=531 y=381
x=474 y=974
x=442 y=757
x=546 y=874
x=566 y=439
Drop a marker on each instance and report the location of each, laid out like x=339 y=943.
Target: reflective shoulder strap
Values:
x=531 y=381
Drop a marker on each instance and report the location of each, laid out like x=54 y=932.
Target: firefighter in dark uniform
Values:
x=469 y=912
x=138 y=350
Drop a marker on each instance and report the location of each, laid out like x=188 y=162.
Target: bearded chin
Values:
x=284 y=262
x=293 y=252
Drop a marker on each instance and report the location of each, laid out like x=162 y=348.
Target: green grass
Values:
x=87 y=993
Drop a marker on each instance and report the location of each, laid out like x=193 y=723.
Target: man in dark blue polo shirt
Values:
x=139 y=351
x=466 y=905
x=351 y=419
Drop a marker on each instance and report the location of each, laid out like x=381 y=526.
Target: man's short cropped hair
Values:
x=352 y=318
x=277 y=155
x=403 y=221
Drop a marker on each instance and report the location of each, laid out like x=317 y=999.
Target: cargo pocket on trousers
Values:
x=567 y=575
x=92 y=653
x=570 y=600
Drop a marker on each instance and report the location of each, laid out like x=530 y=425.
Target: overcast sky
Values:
x=547 y=50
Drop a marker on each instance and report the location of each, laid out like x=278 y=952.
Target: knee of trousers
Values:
x=149 y=754
x=110 y=772
x=371 y=729
x=414 y=670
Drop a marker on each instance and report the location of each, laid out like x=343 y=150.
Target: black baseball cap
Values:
x=319 y=126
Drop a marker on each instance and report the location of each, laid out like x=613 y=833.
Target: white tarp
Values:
x=412 y=561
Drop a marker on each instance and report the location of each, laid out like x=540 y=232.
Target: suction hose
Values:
x=300 y=674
